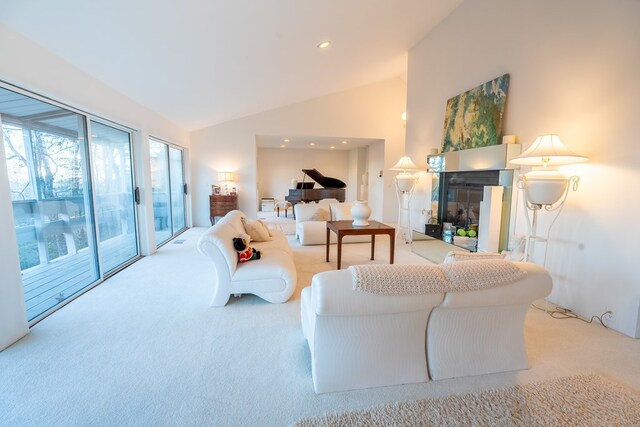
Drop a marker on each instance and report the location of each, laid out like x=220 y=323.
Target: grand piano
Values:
x=333 y=188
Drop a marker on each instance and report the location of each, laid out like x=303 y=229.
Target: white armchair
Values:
x=311 y=222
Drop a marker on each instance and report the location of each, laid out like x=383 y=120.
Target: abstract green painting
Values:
x=474 y=118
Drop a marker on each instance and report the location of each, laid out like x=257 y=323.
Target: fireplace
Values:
x=471 y=189
x=461 y=193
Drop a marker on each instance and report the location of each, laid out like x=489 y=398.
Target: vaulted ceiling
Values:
x=203 y=62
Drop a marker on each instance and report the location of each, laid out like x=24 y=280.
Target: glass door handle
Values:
x=136 y=195
x=185 y=189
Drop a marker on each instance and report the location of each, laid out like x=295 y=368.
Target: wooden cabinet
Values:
x=220 y=205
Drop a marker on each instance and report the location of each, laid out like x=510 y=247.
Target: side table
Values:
x=346 y=228
x=220 y=205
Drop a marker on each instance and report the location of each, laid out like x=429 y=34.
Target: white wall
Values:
x=372 y=111
x=277 y=166
x=574 y=67
x=382 y=191
x=13 y=315
x=28 y=65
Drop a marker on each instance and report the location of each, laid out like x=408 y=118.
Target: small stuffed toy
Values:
x=245 y=252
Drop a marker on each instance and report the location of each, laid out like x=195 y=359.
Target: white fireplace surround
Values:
x=493 y=235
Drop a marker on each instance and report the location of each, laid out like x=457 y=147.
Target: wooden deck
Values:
x=47 y=285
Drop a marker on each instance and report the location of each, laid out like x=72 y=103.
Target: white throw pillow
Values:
x=340 y=211
x=258 y=231
x=320 y=215
x=454 y=256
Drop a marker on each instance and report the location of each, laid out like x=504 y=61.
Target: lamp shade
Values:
x=225 y=176
x=405 y=164
x=548 y=150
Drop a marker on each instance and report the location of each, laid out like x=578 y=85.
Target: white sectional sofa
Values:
x=273 y=277
x=311 y=222
x=360 y=340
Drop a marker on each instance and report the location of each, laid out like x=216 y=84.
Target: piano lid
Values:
x=325 y=181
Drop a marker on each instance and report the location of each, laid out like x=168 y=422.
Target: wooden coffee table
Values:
x=346 y=228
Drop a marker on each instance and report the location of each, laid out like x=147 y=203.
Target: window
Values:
x=113 y=188
x=167 y=189
x=72 y=196
x=46 y=153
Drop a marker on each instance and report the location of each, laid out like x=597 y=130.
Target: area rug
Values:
x=580 y=400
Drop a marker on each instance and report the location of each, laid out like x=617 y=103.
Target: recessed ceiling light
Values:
x=312 y=143
x=333 y=147
x=325 y=44
x=286 y=140
x=344 y=142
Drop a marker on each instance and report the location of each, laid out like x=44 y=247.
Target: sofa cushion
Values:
x=340 y=211
x=278 y=242
x=257 y=230
x=269 y=273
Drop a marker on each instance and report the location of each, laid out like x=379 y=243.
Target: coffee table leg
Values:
x=392 y=245
x=339 y=250
x=328 y=241
x=373 y=245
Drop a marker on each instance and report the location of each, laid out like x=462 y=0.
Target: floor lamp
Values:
x=405 y=184
x=545 y=187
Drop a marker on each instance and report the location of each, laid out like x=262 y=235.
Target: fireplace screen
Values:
x=463 y=206
x=463 y=192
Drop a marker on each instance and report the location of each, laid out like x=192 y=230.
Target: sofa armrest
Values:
x=333 y=295
x=535 y=285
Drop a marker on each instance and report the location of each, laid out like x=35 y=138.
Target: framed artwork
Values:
x=474 y=118
x=216 y=191
x=234 y=191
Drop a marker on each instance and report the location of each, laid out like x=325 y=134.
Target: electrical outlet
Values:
x=609 y=315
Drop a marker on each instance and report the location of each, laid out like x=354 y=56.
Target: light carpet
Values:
x=145 y=348
x=580 y=400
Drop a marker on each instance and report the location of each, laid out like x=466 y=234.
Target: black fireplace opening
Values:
x=460 y=196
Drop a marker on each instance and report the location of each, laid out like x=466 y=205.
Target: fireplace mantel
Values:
x=493 y=157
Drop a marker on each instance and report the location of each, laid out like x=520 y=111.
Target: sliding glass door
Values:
x=167 y=189
x=113 y=189
x=177 y=189
x=72 y=192
x=47 y=159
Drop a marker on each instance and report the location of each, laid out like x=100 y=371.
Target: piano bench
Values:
x=283 y=205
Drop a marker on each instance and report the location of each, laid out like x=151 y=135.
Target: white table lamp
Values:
x=545 y=186
x=225 y=178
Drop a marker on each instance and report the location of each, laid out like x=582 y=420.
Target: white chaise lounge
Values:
x=273 y=277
